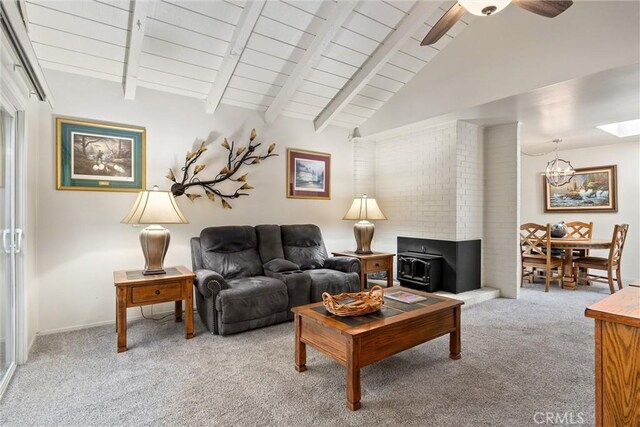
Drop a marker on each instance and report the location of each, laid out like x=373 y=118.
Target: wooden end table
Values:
x=134 y=289
x=355 y=342
x=372 y=263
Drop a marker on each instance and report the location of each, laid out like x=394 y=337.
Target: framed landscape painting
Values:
x=590 y=190
x=99 y=156
x=308 y=175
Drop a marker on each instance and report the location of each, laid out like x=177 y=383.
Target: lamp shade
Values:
x=155 y=207
x=364 y=208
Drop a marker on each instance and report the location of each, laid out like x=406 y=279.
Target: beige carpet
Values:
x=519 y=357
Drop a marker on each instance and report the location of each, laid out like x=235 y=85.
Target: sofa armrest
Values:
x=209 y=283
x=280 y=265
x=343 y=263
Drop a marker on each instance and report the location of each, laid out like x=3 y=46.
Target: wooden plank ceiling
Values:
x=246 y=53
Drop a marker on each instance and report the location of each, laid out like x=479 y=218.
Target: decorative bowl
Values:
x=558 y=230
x=360 y=303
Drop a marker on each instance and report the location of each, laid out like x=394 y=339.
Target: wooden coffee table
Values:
x=355 y=342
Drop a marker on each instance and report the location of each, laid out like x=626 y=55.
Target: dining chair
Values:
x=535 y=253
x=609 y=264
x=579 y=230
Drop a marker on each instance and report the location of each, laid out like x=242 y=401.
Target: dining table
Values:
x=568 y=245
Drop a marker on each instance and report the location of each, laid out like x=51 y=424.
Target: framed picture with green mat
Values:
x=99 y=156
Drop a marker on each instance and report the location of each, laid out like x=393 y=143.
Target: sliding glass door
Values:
x=8 y=120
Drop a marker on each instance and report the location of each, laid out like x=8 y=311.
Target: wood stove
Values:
x=421 y=271
x=456 y=269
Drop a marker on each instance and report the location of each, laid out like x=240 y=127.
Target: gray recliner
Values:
x=249 y=277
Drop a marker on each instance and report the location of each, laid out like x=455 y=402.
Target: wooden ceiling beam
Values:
x=338 y=15
x=409 y=25
x=140 y=9
x=246 y=23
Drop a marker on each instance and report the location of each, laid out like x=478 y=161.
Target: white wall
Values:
x=29 y=162
x=469 y=181
x=428 y=181
x=416 y=185
x=501 y=254
x=80 y=239
x=364 y=168
x=627 y=157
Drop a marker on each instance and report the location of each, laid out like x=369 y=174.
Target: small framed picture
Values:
x=590 y=190
x=99 y=156
x=308 y=174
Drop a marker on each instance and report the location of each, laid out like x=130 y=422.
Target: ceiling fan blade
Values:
x=546 y=8
x=443 y=25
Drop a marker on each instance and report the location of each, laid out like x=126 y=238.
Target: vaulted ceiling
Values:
x=331 y=62
x=559 y=77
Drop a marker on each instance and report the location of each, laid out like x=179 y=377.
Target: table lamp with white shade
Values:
x=364 y=209
x=155 y=207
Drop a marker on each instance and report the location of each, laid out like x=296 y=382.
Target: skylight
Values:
x=622 y=129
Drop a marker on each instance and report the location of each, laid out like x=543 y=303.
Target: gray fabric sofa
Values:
x=249 y=277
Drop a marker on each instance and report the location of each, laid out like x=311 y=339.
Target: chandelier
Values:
x=558 y=171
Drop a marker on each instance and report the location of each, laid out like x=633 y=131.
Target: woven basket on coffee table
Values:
x=365 y=302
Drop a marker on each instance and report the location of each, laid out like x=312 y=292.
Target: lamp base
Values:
x=154 y=241
x=363 y=231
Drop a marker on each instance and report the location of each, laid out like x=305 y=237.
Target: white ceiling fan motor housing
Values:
x=484 y=7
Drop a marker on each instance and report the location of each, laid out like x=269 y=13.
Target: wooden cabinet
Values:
x=617 y=358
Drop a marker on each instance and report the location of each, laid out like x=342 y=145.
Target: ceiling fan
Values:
x=546 y=8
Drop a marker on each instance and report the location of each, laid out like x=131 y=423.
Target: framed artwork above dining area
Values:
x=592 y=189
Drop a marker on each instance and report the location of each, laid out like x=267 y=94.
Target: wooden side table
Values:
x=134 y=289
x=372 y=263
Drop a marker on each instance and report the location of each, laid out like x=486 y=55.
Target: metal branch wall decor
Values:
x=236 y=159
